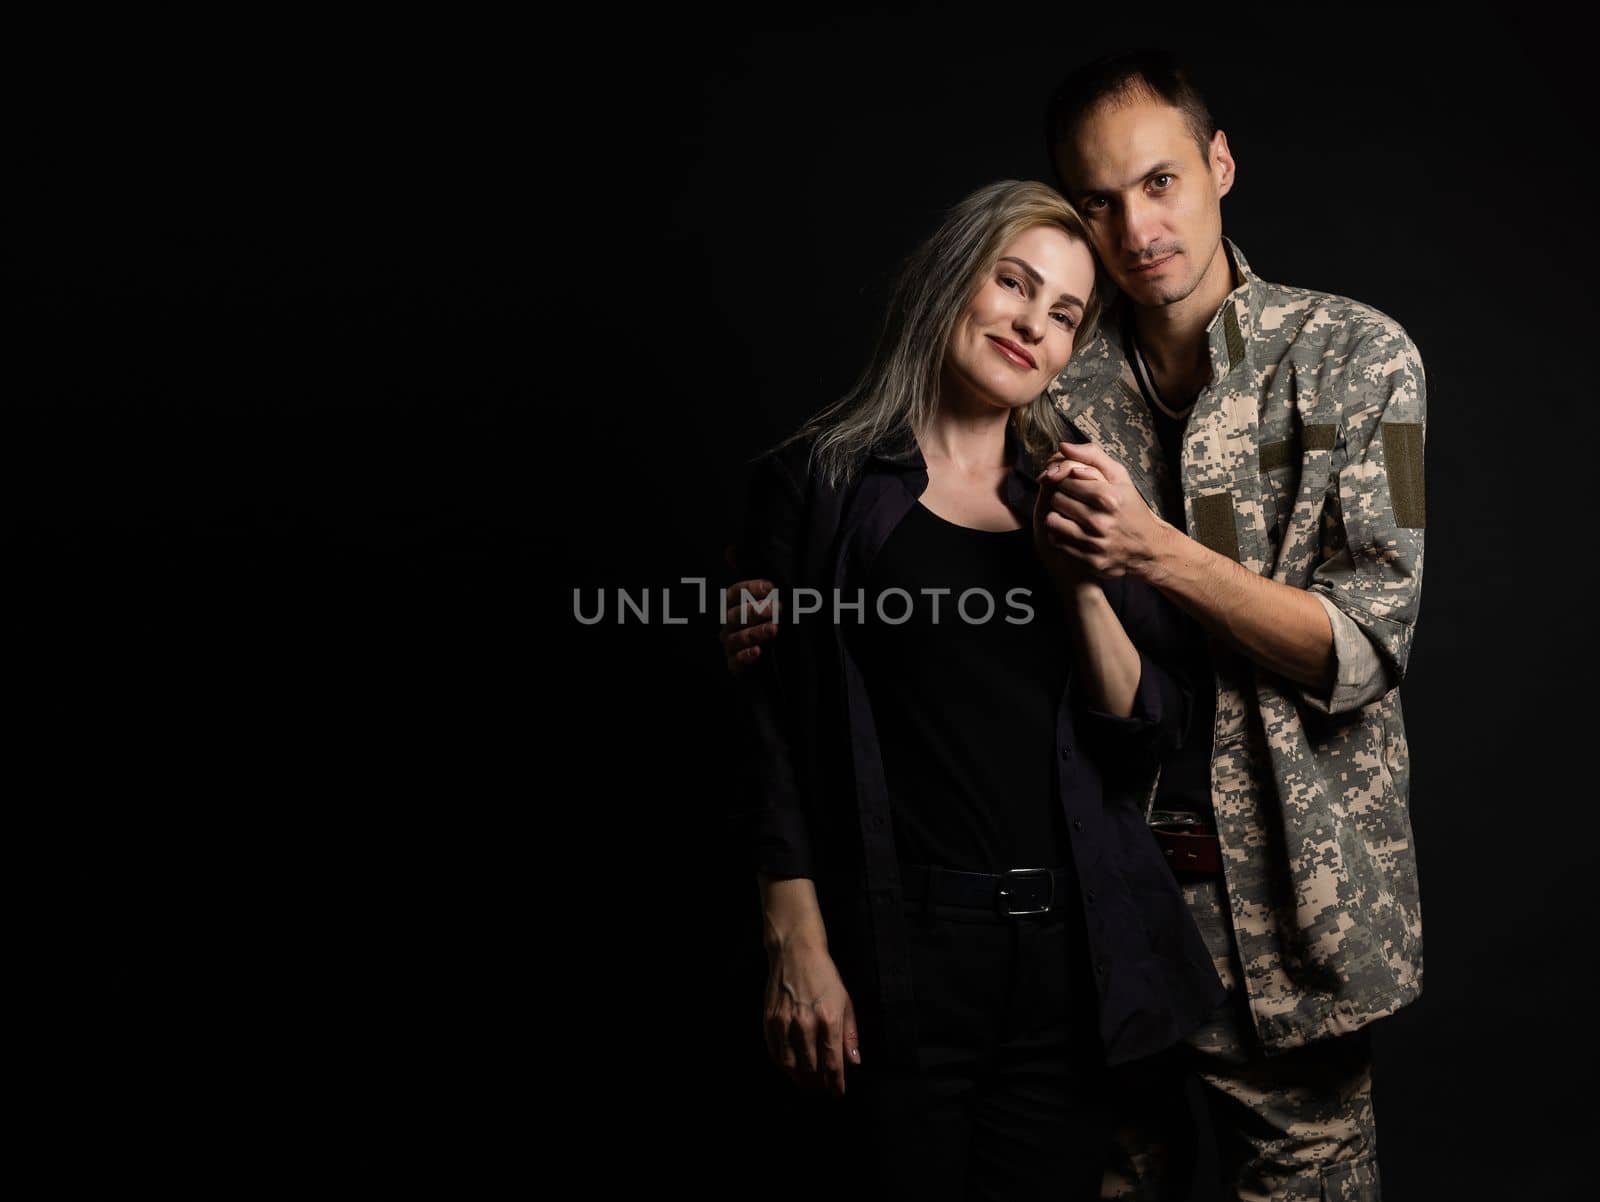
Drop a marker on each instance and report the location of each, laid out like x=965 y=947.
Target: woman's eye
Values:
x=1011 y=279
x=1066 y=319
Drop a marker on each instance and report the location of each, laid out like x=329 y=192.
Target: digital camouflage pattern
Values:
x=1302 y=461
x=1311 y=1135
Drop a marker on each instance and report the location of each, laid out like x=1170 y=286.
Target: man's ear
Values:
x=1222 y=163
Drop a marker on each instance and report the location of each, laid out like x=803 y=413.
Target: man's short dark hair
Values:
x=1120 y=78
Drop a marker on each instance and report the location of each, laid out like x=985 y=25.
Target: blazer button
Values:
x=1089 y=897
x=1100 y=967
x=1066 y=753
x=1077 y=824
x=877 y=821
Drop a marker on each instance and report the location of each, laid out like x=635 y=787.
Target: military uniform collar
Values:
x=1228 y=334
x=1234 y=324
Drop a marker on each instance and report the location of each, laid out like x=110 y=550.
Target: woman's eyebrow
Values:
x=1038 y=280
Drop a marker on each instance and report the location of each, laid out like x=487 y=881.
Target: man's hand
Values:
x=1066 y=570
x=750 y=625
x=1100 y=521
x=744 y=632
x=808 y=1020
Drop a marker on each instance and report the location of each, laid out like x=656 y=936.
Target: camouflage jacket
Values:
x=1302 y=461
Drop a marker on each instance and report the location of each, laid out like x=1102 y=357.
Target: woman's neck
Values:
x=966 y=436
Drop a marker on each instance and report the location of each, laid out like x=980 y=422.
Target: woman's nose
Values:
x=1030 y=324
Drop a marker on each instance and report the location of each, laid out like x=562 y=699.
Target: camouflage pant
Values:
x=1294 y=1127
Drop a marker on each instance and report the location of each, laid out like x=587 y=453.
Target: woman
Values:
x=966 y=917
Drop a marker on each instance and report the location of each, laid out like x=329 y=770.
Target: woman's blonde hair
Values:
x=898 y=394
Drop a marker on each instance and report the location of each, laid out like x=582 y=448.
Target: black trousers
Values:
x=1008 y=1097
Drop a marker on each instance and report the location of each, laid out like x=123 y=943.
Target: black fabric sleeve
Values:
x=770 y=814
x=1164 y=699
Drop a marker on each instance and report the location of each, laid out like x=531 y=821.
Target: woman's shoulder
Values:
x=810 y=472
x=789 y=462
x=778 y=488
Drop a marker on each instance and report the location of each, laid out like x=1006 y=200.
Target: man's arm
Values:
x=749 y=624
x=1370 y=576
x=1110 y=528
x=1281 y=628
x=1345 y=639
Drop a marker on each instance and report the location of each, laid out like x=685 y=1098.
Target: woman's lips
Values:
x=1013 y=352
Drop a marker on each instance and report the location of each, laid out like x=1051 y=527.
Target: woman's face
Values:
x=1015 y=335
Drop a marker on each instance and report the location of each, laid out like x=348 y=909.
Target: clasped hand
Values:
x=1089 y=520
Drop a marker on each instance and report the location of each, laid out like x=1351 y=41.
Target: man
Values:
x=1259 y=454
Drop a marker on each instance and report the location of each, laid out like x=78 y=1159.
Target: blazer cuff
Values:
x=781 y=865
x=1158 y=714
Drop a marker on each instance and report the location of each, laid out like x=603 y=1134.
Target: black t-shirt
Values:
x=966 y=712
x=1185 y=778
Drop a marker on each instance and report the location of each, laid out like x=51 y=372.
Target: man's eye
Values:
x=1094 y=204
x=1161 y=181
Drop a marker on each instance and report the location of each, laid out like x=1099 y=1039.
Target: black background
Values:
x=343 y=857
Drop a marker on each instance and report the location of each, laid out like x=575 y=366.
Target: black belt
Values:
x=1016 y=893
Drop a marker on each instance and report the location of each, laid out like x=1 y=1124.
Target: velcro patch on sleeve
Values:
x=1402 y=461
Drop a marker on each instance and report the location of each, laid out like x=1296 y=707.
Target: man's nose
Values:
x=1138 y=226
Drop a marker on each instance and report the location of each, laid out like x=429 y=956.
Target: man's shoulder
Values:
x=1310 y=319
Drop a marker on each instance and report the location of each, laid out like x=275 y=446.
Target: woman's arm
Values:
x=773 y=820
x=1128 y=641
x=1107 y=659
x=790 y=912
x=808 y=1020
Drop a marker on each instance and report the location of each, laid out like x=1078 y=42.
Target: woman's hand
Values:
x=1049 y=535
x=809 y=1022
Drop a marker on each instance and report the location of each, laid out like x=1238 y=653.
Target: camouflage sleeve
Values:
x=771 y=824
x=1370 y=575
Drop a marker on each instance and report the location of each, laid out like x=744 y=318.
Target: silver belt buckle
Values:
x=1014 y=872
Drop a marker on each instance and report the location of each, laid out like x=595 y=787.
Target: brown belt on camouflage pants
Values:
x=1188 y=841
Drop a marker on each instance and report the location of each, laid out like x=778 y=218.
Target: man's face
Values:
x=1151 y=199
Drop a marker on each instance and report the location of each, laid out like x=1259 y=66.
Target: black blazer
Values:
x=820 y=806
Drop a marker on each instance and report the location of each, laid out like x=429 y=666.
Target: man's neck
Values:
x=1172 y=338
